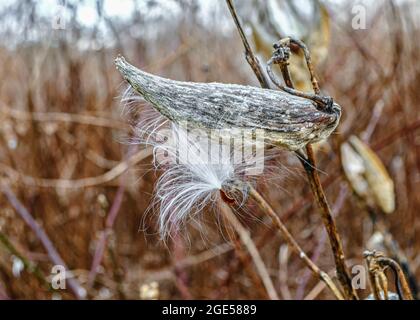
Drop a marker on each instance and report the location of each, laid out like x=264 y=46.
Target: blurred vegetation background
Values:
x=64 y=141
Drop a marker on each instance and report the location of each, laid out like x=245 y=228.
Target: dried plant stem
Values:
x=399 y=256
x=344 y=192
x=377 y=264
x=167 y=273
x=323 y=276
x=283 y=272
x=252 y=249
x=108 y=176
x=168 y=60
x=329 y=223
x=100 y=248
x=241 y=258
x=315 y=291
x=399 y=274
x=249 y=54
x=83 y=119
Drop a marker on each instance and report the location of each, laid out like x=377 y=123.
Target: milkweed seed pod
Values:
x=286 y=120
x=307 y=20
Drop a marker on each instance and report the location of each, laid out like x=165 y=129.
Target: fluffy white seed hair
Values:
x=197 y=169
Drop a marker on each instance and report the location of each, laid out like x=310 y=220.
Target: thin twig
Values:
x=110 y=175
x=377 y=264
x=399 y=256
x=100 y=248
x=170 y=58
x=317 y=289
x=283 y=272
x=190 y=261
x=329 y=223
x=53 y=254
x=252 y=249
x=375 y=273
x=294 y=245
x=321 y=243
x=109 y=224
x=65 y=117
x=249 y=54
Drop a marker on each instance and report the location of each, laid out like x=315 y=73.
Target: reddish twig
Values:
x=109 y=223
x=53 y=254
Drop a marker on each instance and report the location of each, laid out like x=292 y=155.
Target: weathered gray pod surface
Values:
x=287 y=120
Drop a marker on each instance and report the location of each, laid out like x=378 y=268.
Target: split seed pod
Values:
x=286 y=120
x=367 y=175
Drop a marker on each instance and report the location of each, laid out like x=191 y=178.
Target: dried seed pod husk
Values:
x=285 y=120
x=376 y=242
x=367 y=175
